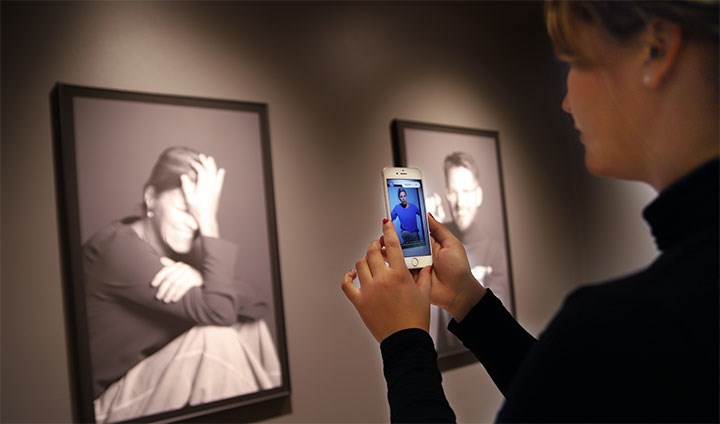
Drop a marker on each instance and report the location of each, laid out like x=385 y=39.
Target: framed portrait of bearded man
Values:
x=464 y=191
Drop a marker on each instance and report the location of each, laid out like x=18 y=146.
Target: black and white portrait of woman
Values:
x=180 y=290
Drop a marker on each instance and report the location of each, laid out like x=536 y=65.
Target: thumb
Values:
x=439 y=232
x=348 y=287
x=424 y=280
x=166 y=261
x=186 y=185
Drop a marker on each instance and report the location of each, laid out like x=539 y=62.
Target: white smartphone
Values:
x=405 y=206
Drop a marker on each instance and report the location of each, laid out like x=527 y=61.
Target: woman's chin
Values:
x=596 y=166
x=181 y=247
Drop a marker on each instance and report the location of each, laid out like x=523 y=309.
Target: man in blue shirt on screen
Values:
x=406 y=212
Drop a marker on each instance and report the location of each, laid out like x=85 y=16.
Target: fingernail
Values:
x=385 y=221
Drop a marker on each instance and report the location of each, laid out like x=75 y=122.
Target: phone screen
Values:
x=409 y=216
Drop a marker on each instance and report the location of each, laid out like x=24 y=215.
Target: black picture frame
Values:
x=106 y=142
x=481 y=214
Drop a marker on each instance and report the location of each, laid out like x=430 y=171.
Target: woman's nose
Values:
x=566 y=104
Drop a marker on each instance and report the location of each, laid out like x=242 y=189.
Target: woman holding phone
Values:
x=642 y=88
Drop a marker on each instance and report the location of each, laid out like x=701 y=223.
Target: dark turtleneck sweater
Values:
x=642 y=348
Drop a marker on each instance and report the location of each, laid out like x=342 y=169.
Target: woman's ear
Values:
x=149 y=200
x=663 y=42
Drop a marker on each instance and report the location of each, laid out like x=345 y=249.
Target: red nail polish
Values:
x=385 y=221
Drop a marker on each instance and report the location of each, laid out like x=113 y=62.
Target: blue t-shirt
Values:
x=407 y=216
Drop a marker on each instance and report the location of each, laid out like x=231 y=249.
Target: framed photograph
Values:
x=464 y=190
x=170 y=255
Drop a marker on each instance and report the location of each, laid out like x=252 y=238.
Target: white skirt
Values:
x=204 y=364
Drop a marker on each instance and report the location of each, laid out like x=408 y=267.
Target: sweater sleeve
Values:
x=495 y=338
x=216 y=262
x=414 y=382
x=215 y=301
x=124 y=266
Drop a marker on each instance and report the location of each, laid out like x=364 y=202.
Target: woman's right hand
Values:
x=174 y=280
x=389 y=298
x=453 y=286
x=203 y=196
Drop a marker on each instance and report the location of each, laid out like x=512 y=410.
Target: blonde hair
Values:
x=622 y=20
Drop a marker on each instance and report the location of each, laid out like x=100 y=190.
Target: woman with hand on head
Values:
x=169 y=326
x=643 y=92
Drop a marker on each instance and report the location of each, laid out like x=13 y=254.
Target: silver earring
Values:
x=150 y=214
x=647 y=79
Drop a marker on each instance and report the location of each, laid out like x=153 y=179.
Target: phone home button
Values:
x=415 y=261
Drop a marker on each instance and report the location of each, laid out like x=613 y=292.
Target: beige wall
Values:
x=334 y=76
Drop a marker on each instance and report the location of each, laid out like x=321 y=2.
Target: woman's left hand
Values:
x=389 y=298
x=174 y=280
x=203 y=196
